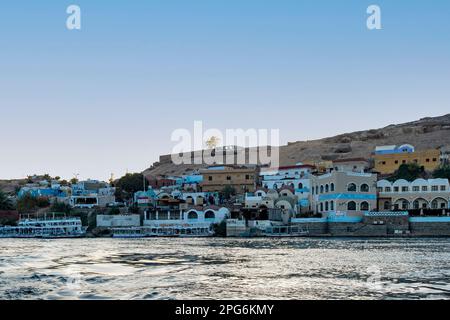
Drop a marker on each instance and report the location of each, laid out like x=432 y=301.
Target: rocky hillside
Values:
x=425 y=133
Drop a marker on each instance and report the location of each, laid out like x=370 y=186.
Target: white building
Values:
x=296 y=177
x=92 y=193
x=111 y=221
x=418 y=194
x=193 y=217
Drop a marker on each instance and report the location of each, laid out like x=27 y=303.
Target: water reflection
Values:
x=225 y=269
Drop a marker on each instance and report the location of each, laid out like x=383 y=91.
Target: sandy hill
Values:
x=426 y=133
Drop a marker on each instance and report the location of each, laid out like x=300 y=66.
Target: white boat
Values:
x=45 y=228
x=182 y=231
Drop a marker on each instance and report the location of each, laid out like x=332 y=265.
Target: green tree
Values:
x=409 y=172
x=227 y=192
x=73 y=181
x=28 y=203
x=220 y=229
x=5 y=202
x=114 y=211
x=442 y=172
x=130 y=183
x=60 y=207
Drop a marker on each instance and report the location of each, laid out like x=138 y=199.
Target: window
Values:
x=396 y=161
x=228 y=178
x=428 y=160
x=321 y=189
x=332 y=187
x=379 y=189
x=387 y=205
x=416 y=188
x=312 y=190
x=364 y=187
x=416 y=205
x=317 y=189
x=321 y=206
x=405 y=205
x=300 y=185
x=351 y=187
x=387 y=189
x=327 y=188
x=326 y=206
x=434 y=159
x=364 y=206
x=247 y=177
x=404 y=161
x=405 y=189
x=396 y=189
x=424 y=188
x=331 y=205
x=351 y=206
x=434 y=188
x=443 y=188
x=210 y=178
x=434 y=204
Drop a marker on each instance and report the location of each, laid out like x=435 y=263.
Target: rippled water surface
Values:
x=295 y=268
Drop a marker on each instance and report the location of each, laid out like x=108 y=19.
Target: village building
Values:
x=352 y=193
x=351 y=165
x=387 y=159
x=242 y=179
x=92 y=193
x=418 y=194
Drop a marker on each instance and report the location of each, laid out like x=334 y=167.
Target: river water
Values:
x=163 y=268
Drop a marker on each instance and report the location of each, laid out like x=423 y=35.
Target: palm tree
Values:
x=5 y=202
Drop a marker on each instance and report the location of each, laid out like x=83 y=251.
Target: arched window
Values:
x=312 y=190
x=387 y=205
x=317 y=189
x=405 y=205
x=364 y=187
x=326 y=206
x=300 y=185
x=332 y=187
x=189 y=200
x=210 y=215
x=434 y=204
x=351 y=187
x=321 y=206
x=327 y=188
x=416 y=204
x=351 y=206
x=364 y=206
x=192 y=215
x=321 y=189
x=331 y=205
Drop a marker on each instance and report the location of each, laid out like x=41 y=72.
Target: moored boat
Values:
x=45 y=228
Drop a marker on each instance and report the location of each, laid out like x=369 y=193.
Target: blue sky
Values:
x=105 y=99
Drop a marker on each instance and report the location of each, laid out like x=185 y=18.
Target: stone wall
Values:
x=430 y=229
x=314 y=228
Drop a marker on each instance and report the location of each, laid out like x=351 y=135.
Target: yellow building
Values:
x=216 y=178
x=388 y=162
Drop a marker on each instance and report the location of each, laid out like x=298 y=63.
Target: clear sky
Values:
x=106 y=98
